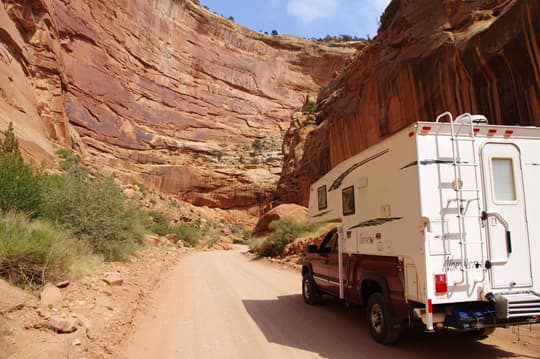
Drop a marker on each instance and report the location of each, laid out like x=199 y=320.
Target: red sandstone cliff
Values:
x=478 y=56
x=161 y=92
x=32 y=77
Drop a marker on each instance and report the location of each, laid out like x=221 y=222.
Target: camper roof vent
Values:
x=467 y=118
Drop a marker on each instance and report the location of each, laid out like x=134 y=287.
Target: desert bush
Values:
x=94 y=211
x=19 y=182
x=35 y=252
x=159 y=223
x=284 y=231
x=188 y=233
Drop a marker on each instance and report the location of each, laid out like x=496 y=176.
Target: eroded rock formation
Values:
x=32 y=77
x=478 y=56
x=161 y=92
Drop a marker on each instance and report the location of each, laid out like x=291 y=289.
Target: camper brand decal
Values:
x=339 y=180
x=376 y=222
x=451 y=264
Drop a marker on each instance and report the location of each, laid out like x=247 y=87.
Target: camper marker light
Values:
x=426 y=128
x=429 y=306
x=476 y=130
x=492 y=131
x=509 y=132
x=440 y=283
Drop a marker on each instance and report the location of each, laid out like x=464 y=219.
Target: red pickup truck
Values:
x=373 y=281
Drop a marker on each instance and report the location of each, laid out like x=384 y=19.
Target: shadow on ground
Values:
x=333 y=331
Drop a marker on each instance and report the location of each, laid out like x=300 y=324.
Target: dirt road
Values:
x=225 y=305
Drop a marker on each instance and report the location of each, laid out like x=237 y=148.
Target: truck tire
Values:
x=309 y=290
x=381 y=321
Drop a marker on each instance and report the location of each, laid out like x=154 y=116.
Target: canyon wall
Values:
x=32 y=79
x=478 y=56
x=159 y=92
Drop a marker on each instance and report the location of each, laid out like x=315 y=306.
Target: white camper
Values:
x=454 y=207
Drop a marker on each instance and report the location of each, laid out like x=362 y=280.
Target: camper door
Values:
x=506 y=223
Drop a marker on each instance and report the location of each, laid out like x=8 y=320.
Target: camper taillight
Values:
x=440 y=284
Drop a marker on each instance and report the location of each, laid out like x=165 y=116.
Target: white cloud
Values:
x=311 y=10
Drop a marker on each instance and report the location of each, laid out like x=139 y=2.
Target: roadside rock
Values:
x=63 y=325
x=50 y=295
x=62 y=284
x=112 y=278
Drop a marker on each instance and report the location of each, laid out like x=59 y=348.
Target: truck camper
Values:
x=436 y=225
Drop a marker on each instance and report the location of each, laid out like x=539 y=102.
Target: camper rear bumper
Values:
x=471 y=316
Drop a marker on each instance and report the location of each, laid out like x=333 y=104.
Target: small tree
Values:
x=274 y=32
x=19 y=183
x=10 y=146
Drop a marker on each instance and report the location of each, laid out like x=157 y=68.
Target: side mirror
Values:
x=312 y=248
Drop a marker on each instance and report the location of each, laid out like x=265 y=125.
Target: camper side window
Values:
x=321 y=195
x=348 y=200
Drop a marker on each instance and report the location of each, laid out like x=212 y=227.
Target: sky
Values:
x=305 y=18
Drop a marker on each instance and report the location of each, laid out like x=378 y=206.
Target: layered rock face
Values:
x=32 y=77
x=478 y=56
x=160 y=92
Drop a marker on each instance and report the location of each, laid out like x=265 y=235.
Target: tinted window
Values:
x=348 y=201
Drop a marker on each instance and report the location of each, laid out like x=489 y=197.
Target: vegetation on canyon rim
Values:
x=51 y=224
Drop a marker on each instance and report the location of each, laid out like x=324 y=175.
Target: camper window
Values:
x=321 y=195
x=348 y=201
x=504 y=186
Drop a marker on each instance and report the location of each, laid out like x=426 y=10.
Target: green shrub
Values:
x=160 y=224
x=284 y=231
x=188 y=233
x=70 y=164
x=94 y=212
x=19 y=182
x=33 y=253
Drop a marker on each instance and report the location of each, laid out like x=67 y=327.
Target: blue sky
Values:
x=306 y=18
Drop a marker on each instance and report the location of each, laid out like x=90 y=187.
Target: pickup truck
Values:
x=371 y=281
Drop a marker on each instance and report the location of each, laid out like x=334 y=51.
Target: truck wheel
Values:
x=309 y=290
x=381 y=323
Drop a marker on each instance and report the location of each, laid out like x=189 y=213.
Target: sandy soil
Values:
x=227 y=305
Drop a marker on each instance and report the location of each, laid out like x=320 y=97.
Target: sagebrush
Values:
x=35 y=252
x=95 y=212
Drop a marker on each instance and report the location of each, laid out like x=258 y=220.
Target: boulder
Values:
x=63 y=325
x=112 y=278
x=297 y=212
x=50 y=295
